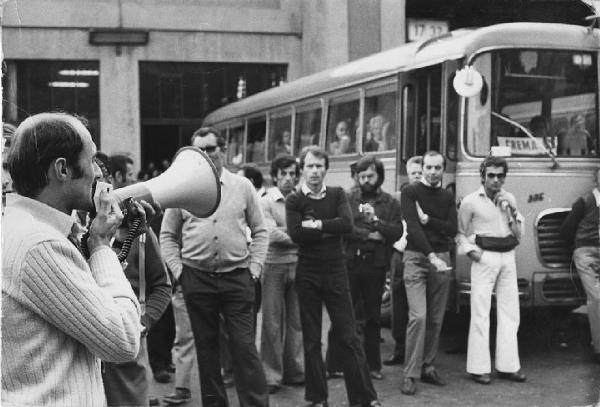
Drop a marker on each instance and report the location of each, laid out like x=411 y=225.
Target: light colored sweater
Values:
x=60 y=314
x=217 y=243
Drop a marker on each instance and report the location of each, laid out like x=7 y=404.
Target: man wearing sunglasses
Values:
x=217 y=269
x=489 y=229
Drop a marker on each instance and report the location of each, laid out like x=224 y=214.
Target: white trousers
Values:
x=499 y=271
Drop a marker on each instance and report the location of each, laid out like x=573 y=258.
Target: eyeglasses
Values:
x=493 y=175
x=208 y=149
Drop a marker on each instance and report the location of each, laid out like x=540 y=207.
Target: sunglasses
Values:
x=208 y=149
x=499 y=176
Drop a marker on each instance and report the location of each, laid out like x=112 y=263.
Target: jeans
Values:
x=366 y=284
x=399 y=303
x=184 y=348
x=126 y=384
x=281 y=341
x=160 y=341
x=427 y=293
x=318 y=284
x=587 y=261
x=499 y=271
x=231 y=294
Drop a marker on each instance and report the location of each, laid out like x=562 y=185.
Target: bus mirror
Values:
x=467 y=82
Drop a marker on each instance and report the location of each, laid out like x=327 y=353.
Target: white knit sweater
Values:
x=60 y=315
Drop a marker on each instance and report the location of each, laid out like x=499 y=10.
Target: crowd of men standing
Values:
x=301 y=246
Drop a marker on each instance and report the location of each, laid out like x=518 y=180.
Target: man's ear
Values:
x=59 y=169
x=119 y=177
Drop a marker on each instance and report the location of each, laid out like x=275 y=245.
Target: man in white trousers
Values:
x=489 y=229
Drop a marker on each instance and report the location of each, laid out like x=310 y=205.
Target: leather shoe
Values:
x=394 y=360
x=432 y=377
x=515 y=377
x=318 y=404
x=408 y=386
x=482 y=378
x=376 y=374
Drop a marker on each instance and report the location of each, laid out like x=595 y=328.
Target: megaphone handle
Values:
x=133 y=231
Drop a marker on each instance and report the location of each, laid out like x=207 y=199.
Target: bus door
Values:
x=421 y=112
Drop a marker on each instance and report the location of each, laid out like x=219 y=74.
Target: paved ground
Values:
x=556 y=377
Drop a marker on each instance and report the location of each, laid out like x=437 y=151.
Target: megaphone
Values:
x=191 y=183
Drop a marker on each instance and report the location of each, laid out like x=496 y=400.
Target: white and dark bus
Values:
x=537 y=106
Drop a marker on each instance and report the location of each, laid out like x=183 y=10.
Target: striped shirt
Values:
x=60 y=314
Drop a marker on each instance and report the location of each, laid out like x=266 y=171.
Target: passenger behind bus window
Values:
x=576 y=141
x=539 y=129
x=376 y=139
x=341 y=143
x=283 y=144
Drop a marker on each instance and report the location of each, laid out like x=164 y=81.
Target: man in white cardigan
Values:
x=62 y=313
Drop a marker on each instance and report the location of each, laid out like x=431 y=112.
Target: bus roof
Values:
x=453 y=45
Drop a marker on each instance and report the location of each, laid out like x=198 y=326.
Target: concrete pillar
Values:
x=364 y=30
x=393 y=23
x=119 y=102
x=324 y=34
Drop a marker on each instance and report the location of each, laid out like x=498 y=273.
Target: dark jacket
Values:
x=389 y=225
x=581 y=225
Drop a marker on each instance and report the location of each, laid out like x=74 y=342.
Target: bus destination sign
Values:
x=421 y=29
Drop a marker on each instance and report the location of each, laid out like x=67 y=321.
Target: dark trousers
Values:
x=231 y=294
x=160 y=341
x=399 y=303
x=366 y=288
x=323 y=284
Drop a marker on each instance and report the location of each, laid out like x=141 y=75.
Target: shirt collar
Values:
x=424 y=182
x=225 y=176
x=596 y=194
x=275 y=194
x=306 y=191
x=62 y=222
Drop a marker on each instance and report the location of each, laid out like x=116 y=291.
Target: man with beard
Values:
x=377 y=225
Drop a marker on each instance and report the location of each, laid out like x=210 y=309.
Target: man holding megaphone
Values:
x=217 y=271
x=66 y=310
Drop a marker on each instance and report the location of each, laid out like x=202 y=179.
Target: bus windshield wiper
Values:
x=548 y=152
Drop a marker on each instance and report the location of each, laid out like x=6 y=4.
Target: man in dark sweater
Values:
x=377 y=225
x=430 y=214
x=582 y=226
x=126 y=384
x=317 y=216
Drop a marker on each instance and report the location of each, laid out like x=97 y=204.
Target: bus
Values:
x=538 y=92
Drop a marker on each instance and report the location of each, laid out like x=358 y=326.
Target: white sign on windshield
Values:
x=525 y=145
x=420 y=30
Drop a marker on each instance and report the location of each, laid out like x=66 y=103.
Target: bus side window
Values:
x=280 y=136
x=256 y=140
x=308 y=128
x=342 y=124
x=380 y=121
x=235 y=145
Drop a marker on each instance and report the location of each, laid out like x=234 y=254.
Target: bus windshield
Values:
x=535 y=103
